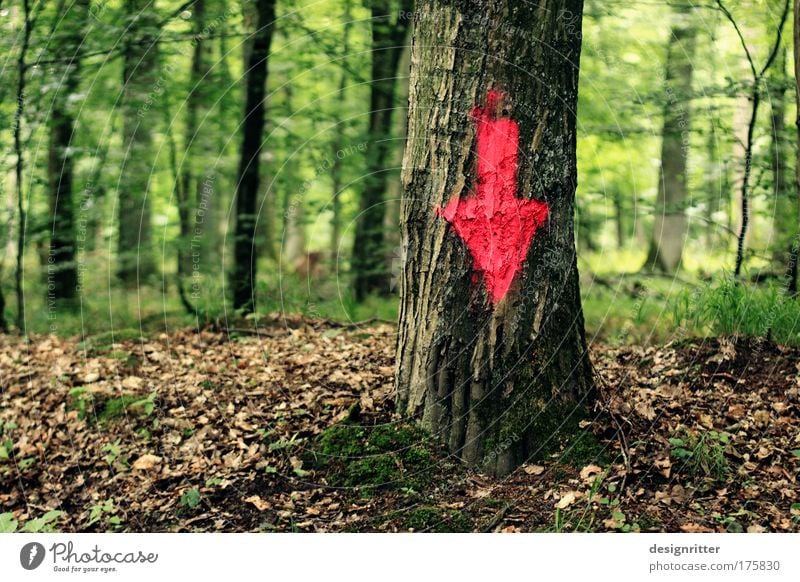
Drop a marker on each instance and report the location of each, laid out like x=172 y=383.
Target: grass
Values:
x=701 y=454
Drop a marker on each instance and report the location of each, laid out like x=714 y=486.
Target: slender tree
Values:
x=135 y=258
x=795 y=249
x=390 y=20
x=62 y=265
x=245 y=256
x=669 y=226
x=755 y=101
x=22 y=67
x=785 y=202
x=491 y=353
x=338 y=141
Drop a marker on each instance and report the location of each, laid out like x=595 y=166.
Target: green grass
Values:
x=736 y=309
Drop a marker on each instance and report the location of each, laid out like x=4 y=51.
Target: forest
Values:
x=399 y=265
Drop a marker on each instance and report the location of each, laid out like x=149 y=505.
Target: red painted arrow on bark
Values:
x=497 y=226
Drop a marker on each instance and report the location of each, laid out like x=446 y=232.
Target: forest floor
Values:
x=293 y=429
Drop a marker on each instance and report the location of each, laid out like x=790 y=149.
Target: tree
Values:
x=388 y=33
x=62 y=266
x=669 y=226
x=22 y=67
x=338 y=141
x=492 y=362
x=135 y=259
x=189 y=186
x=795 y=250
x=785 y=206
x=244 y=254
x=755 y=101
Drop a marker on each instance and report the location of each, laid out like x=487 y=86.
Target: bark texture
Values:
x=245 y=257
x=493 y=382
x=669 y=224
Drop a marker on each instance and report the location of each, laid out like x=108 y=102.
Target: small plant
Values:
x=105 y=513
x=114 y=453
x=190 y=498
x=702 y=453
x=43 y=524
x=82 y=401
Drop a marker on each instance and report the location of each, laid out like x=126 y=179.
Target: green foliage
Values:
x=702 y=453
x=106 y=514
x=43 y=524
x=190 y=498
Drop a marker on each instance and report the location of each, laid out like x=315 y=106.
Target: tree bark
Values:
x=135 y=260
x=669 y=225
x=245 y=256
x=389 y=25
x=493 y=381
x=62 y=267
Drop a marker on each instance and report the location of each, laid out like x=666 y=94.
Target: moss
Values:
x=435 y=519
x=387 y=456
x=536 y=436
x=583 y=448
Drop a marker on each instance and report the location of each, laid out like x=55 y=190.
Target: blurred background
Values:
x=142 y=176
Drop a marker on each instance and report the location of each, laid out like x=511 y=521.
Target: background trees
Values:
x=173 y=183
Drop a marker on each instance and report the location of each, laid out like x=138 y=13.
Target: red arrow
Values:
x=497 y=226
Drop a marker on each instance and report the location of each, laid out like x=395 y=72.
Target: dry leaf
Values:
x=259 y=503
x=146 y=462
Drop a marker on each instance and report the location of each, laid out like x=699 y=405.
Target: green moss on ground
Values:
x=391 y=456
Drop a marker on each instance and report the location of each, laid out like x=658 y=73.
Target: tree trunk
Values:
x=394 y=189
x=135 y=261
x=337 y=142
x=785 y=207
x=294 y=225
x=669 y=225
x=189 y=188
x=493 y=371
x=62 y=270
x=20 y=164
x=369 y=265
x=793 y=268
x=244 y=254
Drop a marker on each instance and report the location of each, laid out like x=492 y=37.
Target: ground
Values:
x=292 y=428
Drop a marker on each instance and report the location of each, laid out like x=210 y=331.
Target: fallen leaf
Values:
x=567 y=500
x=259 y=503
x=146 y=462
